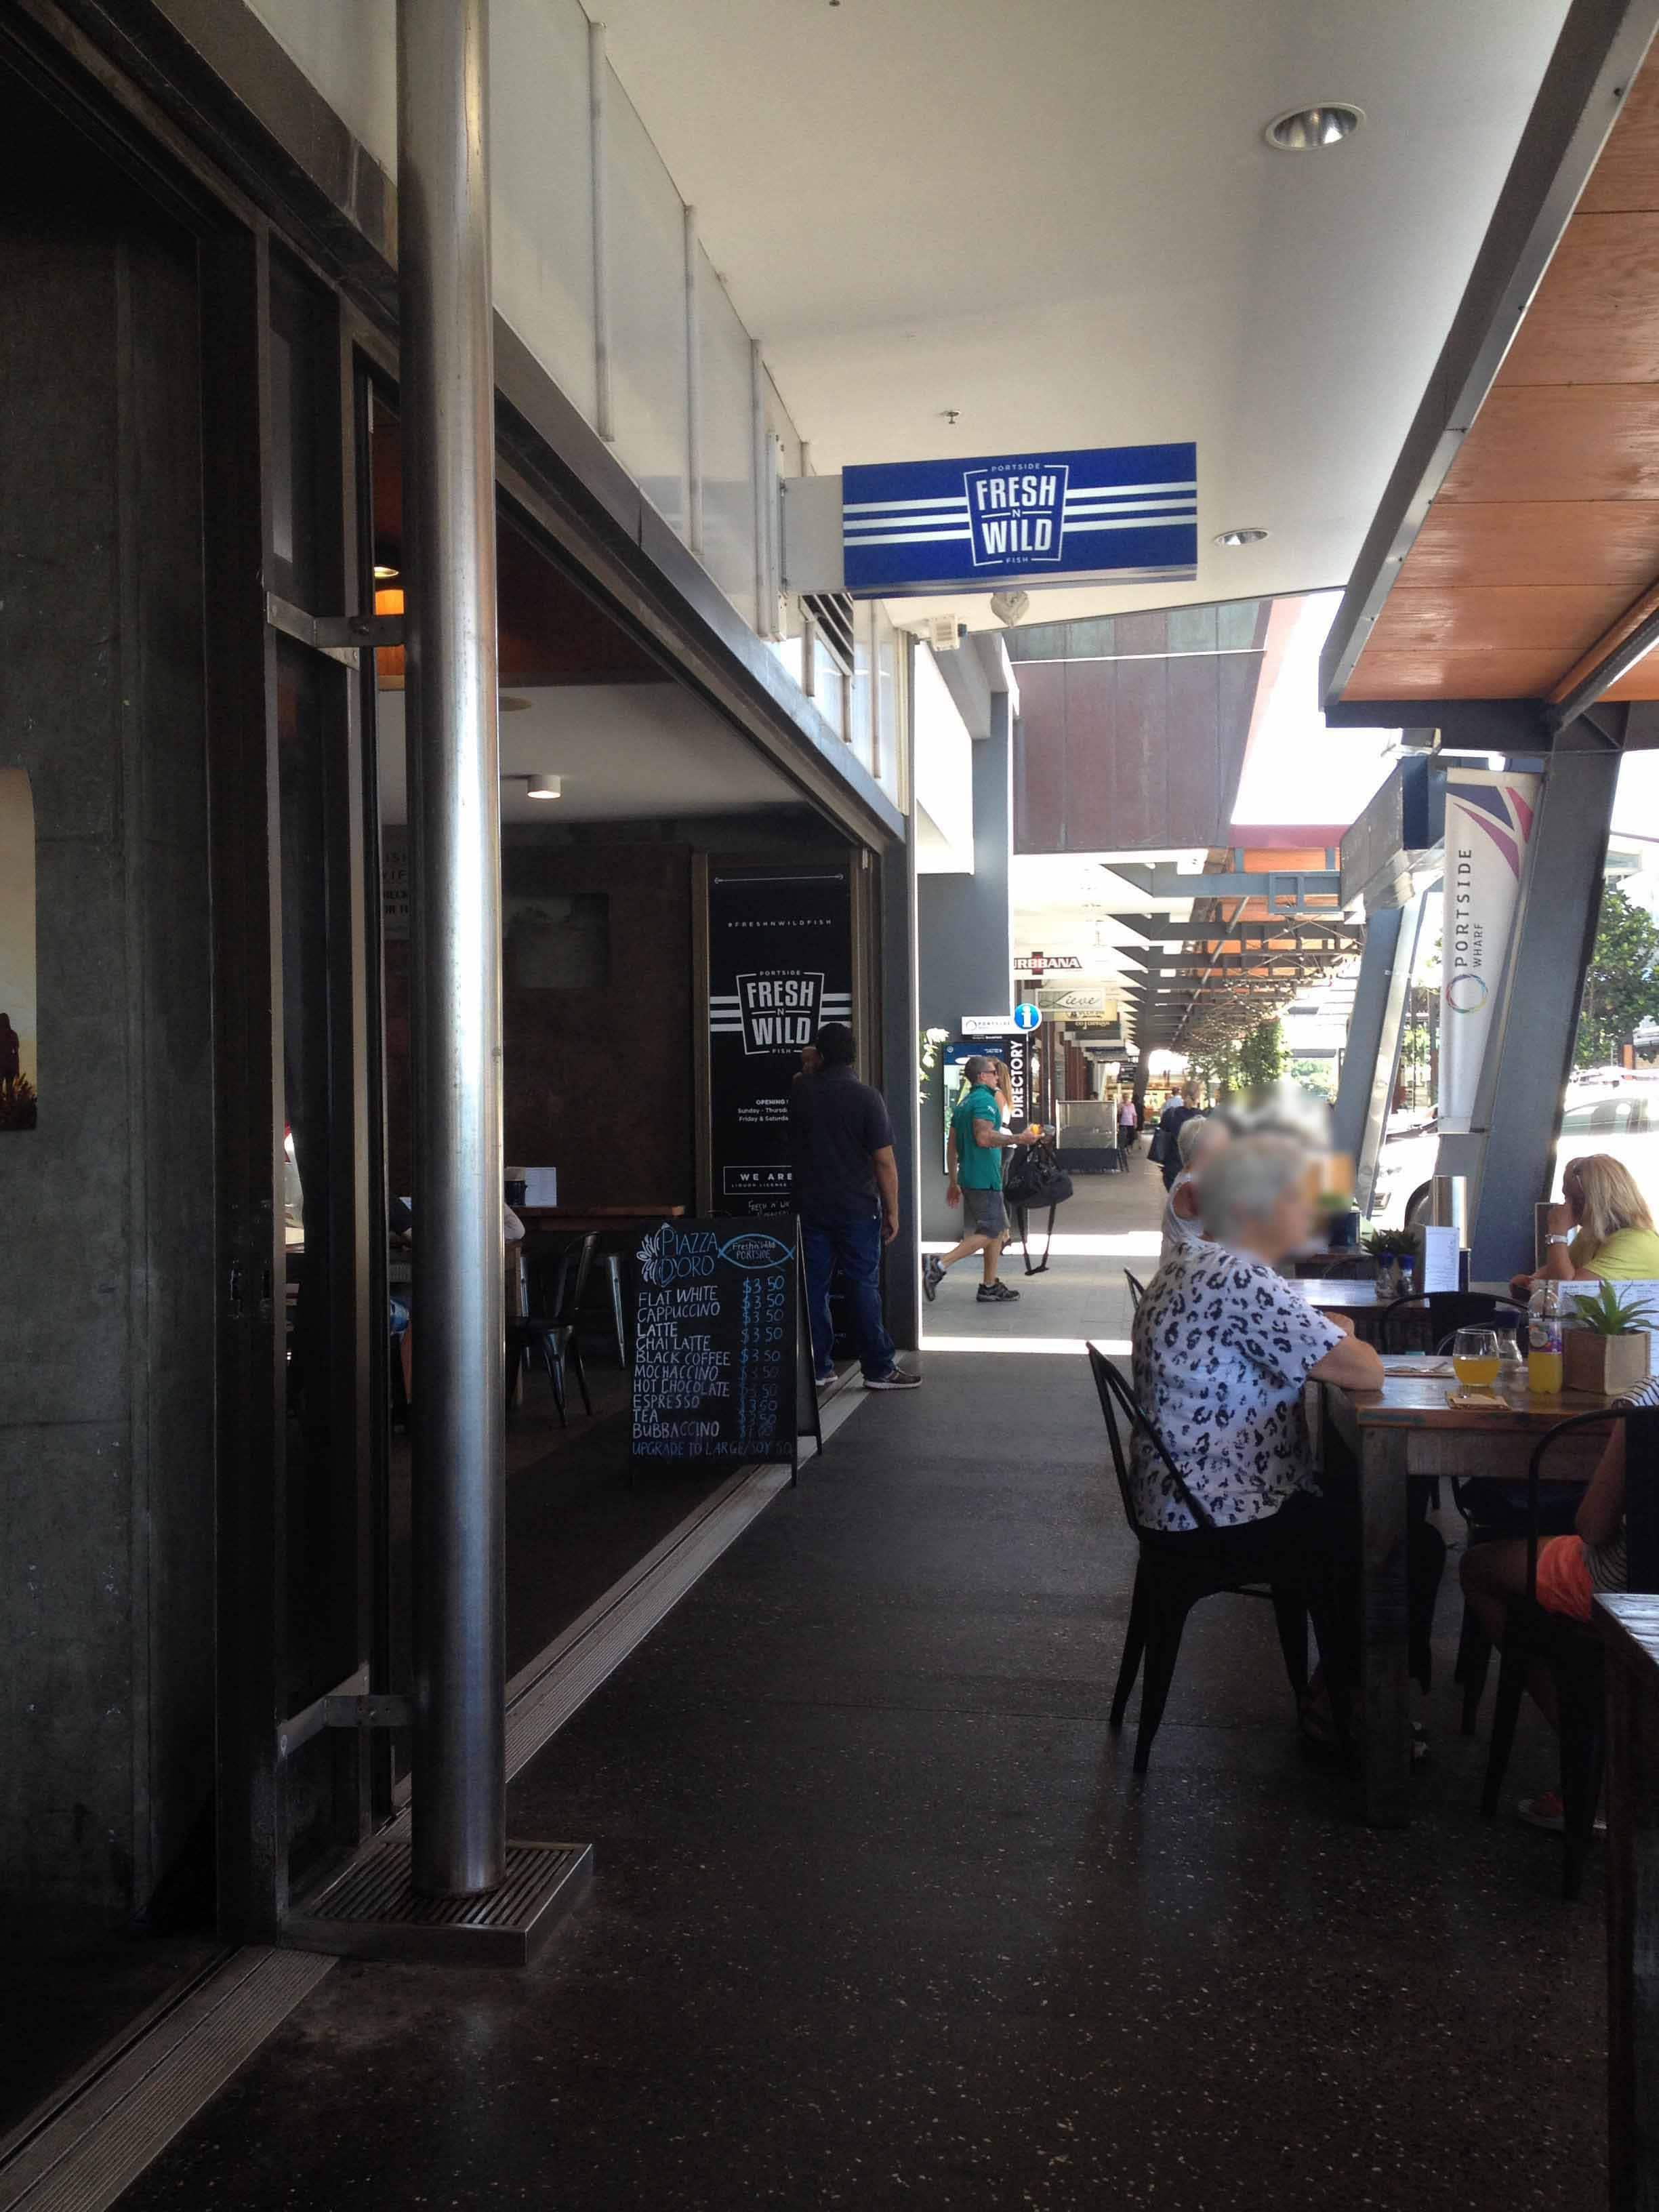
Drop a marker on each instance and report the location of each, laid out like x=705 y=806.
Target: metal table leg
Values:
x=1384 y=1629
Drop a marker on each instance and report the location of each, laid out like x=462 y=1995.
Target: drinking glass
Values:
x=1474 y=1358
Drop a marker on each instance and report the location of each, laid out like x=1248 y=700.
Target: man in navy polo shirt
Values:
x=845 y=1191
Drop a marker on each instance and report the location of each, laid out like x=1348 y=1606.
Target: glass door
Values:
x=303 y=1551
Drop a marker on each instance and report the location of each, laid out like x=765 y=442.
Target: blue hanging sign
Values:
x=1107 y=512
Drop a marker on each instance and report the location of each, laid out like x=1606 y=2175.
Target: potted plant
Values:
x=1606 y=1343
x=1393 y=1250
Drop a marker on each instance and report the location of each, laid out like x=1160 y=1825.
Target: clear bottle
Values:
x=1511 y=1360
x=1544 y=1341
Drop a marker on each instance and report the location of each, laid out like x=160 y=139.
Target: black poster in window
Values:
x=717 y=1371
x=779 y=962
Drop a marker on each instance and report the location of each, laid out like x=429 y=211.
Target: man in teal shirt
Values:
x=974 y=1163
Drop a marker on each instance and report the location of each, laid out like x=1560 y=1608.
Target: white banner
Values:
x=1489 y=818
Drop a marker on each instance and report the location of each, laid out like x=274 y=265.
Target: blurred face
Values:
x=811 y=1058
x=1284 y=1227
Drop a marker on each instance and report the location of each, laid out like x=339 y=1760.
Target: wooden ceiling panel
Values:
x=1545 y=532
x=1506 y=617
x=1561 y=441
x=1627 y=174
x=1575 y=542
x=1595 y=320
x=1470 y=674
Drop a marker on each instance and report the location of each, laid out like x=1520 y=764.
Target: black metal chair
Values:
x=1571 y=1650
x=1443 y=1313
x=1173 y=1573
x=1137 y=1289
x=549 y=1330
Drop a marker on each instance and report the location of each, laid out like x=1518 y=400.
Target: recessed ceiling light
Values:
x=1304 y=130
x=510 y=703
x=1239 y=537
x=384 y=572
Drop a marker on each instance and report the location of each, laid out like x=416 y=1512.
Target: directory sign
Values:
x=1112 y=513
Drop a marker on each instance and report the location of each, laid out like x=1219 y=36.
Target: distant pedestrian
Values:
x=847 y=1195
x=1170 y=1121
x=1128 y=1126
x=974 y=1166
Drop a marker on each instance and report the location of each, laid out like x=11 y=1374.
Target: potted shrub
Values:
x=1606 y=1345
x=1394 y=1251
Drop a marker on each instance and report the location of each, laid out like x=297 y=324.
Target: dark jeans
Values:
x=854 y=1247
x=1305 y=1527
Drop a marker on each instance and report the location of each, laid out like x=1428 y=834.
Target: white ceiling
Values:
x=1061 y=219
x=626 y=751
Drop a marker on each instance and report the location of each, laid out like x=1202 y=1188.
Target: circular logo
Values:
x=1466 y=993
x=754 y=1248
x=1027 y=1016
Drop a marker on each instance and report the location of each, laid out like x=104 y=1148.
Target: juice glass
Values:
x=1474 y=1358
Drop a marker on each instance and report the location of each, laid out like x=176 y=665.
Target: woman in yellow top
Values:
x=1602 y=1231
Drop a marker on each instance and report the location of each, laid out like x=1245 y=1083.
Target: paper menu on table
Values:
x=1442 y=1268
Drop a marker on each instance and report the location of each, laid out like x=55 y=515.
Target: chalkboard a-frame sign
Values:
x=722 y=1368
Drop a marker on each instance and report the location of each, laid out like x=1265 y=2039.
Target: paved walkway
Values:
x=1110 y=1223
x=883 y=1918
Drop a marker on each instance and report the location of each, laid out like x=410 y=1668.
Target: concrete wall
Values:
x=965 y=942
x=106 y=1514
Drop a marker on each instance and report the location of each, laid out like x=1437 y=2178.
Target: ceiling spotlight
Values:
x=1304 y=130
x=510 y=703
x=384 y=572
x=544 y=786
x=1009 y=607
x=1240 y=536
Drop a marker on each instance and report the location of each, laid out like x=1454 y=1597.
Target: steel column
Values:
x=1529 y=1047
x=449 y=558
x=900 y=1025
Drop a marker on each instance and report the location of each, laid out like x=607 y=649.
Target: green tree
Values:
x=1318 y=1076
x=1261 y=1057
x=1622 y=986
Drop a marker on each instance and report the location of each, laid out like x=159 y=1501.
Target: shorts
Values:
x=1564 y=1577
x=985 y=1213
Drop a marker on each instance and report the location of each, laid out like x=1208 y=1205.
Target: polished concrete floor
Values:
x=882 y=1917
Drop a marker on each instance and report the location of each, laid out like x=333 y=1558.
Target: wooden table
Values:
x=1406 y=1429
x=577 y=1220
x=1365 y=1305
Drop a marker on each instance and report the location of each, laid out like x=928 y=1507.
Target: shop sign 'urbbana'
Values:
x=1109 y=512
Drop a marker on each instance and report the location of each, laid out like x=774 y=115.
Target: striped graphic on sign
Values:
x=925 y=525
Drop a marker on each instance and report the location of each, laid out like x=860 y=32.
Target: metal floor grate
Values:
x=373 y=1911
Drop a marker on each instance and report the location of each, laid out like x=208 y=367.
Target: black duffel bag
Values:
x=1033 y=1178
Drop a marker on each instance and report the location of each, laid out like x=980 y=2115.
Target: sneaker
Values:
x=996 y=1294
x=895 y=1378
x=1548 y=1812
x=932 y=1275
x=824 y=1380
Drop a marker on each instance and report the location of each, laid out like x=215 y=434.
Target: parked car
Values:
x=1620 y=1118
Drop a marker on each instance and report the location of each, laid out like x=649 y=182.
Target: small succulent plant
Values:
x=1604 y=1316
